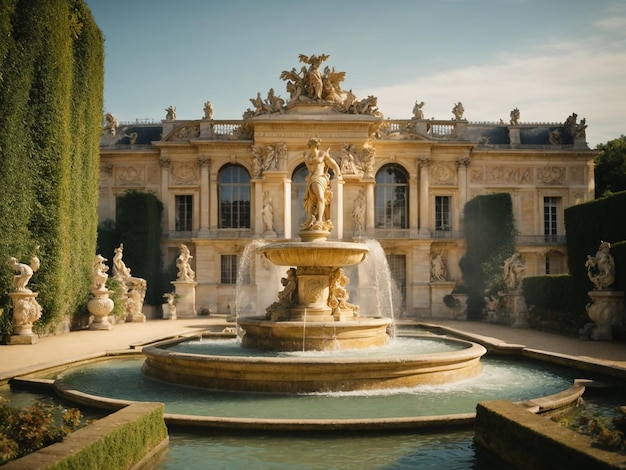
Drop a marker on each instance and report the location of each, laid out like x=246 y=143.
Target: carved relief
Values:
x=506 y=175
x=443 y=173
x=577 y=175
x=476 y=174
x=551 y=175
x=128 y=176
x=184 y=173
x=186 y=132
x=154 y=174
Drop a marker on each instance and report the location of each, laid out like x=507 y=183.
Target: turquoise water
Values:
x=500 y=378
x=450 y=450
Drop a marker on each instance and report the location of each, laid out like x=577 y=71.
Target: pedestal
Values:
x=186 y=302
x=514 y=302
x=26 y=310
x=438 y=308
x=606 y=310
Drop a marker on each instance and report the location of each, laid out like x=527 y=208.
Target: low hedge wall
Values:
x=120 y=440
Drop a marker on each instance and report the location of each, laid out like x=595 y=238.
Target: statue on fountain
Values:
x=318 y=194
x=288 y=297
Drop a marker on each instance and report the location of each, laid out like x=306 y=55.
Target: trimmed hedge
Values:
x=51 y=85
x=586 y=226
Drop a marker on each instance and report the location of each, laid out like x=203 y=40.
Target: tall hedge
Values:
x=51 y=85
x=586 y=226
x=489 y=232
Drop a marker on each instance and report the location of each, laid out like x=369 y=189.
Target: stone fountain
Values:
x=312 y=313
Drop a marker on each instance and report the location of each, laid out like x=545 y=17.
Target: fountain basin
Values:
x=359 y=333
x=310 y=374
x=315 y=254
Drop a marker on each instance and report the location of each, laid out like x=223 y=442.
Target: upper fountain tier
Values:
x=333 y=253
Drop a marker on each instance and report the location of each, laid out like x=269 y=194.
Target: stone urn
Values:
x=100 y=306
x=606 y=310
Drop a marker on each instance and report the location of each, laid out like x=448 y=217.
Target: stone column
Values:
x=462 y=164
x=205 y=164
x=591 y=182
x=336 y=208
x=165 y=184
x=370 y=218
x=413 y=203
x=424 y=226
x=214 y=203
x=257 y=206
x=287 y=208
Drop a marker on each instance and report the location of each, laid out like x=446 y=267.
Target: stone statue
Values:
x=515 y=115
x=257 y=161
x=514 y=271
x=267 y=212
x=23 y=273
x=581 y=133
x=359 y=212
x=185 y=273
x=348 y=162
x=120 y=271
x=338 y=295
x=438 y=270
x=100 y=275
x=132 y=137
x=170 y=113
x=601 y=267
x=135 y=287
x=317 y=195
x=208 y=110
x=458 y=111
x=110 y=124
x=170 y=298
x=417 y=110
x=288 y=297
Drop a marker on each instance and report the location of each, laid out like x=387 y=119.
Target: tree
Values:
x=490 y=236
x=610 y=172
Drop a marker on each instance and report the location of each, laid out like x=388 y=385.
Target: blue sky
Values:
x=548 y=58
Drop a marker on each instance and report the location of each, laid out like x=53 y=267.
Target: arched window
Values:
x=234 y=197
x=298 y=187
x=392 y=197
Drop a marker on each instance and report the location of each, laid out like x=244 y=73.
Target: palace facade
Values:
x=404 y=183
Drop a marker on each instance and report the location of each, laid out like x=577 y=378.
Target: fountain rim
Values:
x=537 y=405
x=473 y=349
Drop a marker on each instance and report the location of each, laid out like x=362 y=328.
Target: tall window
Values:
x=228 y=273
x=442 y=213
x=184 y=213
x=298 y=187
x=392 y=193
x=550 y=208
x=234 y=197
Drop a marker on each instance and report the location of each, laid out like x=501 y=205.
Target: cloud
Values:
x=545 y=87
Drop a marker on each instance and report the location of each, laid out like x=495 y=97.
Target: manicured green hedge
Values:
x=586 y=226
x=51 y=84
x=490 y=236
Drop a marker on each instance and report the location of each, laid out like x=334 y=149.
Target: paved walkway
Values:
x=54 y=350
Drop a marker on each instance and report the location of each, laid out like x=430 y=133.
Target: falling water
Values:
x=243 y=272
x=376 y=262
